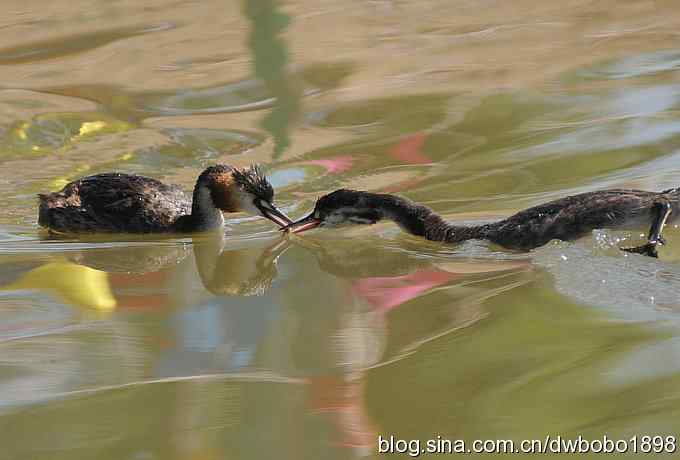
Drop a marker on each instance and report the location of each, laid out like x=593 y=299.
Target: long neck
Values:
x=422 y=221
x=204 y=215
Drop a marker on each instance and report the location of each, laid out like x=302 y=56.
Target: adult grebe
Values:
x=564 y=219
x=124 y=203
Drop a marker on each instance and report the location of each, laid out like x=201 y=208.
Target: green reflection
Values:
x=270 y=58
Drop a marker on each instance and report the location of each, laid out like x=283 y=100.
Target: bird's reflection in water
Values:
x=220 y=326
x=241 y=267
x=397 y=281
x=153 y=275
x=246 y=269
x=373 y=305
x=133 y=259
x=227 y=311
x=145 y=277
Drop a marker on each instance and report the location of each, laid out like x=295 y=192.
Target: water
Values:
x=258 y=346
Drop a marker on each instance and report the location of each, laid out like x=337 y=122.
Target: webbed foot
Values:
x=662 y=210
x=648 y=249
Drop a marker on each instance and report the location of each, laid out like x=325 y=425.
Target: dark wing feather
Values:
x=114 y=202
x=572 y=217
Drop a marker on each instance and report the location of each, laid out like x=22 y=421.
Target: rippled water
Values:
x=258 y=346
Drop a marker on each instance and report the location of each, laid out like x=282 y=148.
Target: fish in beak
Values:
x=272 y=213
x=302 y=225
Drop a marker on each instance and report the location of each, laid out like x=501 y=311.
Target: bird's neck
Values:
x=204 y=215
x=422 y=221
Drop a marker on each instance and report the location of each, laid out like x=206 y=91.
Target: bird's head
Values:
x=341 y=207
x=235 y=190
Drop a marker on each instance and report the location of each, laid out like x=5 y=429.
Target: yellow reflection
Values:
x=58 y=184
x=21 y=131
x=60 y=131
x=75 y=284
x=90 y=127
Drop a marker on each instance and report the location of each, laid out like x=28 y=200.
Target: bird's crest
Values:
x=254 y=181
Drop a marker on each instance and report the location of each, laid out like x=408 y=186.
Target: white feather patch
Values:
x=246 y=202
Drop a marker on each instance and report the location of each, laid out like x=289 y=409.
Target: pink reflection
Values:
x=334 y=165
x=408 y=149
x=385 y=293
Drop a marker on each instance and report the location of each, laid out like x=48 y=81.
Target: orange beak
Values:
x=302 y=225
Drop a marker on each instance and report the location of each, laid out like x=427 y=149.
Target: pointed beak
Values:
x=302 y=225
x=272 y=213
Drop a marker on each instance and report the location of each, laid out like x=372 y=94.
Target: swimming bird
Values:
x=563 y=219
x=124 y=203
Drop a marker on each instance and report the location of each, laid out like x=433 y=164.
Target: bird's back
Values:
x=113 y=202
x=574 y=216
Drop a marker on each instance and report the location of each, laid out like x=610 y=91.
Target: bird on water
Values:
x=564 y=219
x=124 y=203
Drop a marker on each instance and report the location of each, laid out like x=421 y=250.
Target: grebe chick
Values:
x=124 y=203
x=564 y=219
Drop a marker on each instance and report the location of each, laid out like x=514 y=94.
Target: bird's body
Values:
x=574 y=216
x=566 y=219
x=125 y=203
x=114 y=203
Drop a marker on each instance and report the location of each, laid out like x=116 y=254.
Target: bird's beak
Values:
x=272 y=213
x=306 y=223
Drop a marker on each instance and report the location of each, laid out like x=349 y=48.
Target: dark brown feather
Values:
x=113 y=202
x=573 y=217
x=564 y=219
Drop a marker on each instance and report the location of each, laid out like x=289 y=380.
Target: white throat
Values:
x=245 y=202
x=204 y=210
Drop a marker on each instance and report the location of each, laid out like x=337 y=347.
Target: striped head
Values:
x=238 y=190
